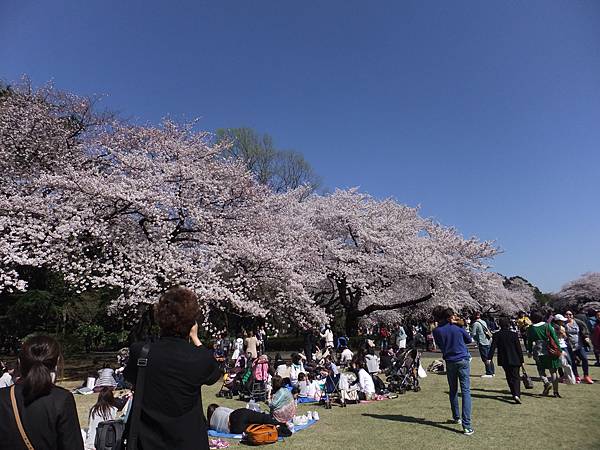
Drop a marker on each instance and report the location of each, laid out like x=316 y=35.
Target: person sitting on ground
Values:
x=48 y=413
x=6 y=380
x=283 y=369
x=346 y=356
x=510 y=356
x=296 y=368
x=366 y=386
x=235 y=421
x=372 y=361
x=282 y=406
x=385 y=358
x=105 y=407
x=308 y=387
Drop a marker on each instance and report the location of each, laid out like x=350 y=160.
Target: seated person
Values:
x=296 y=368
x=235 y=421
x=366 y=386
x=346 y=356
x=283 y=369
x=282 y=406
x=372 y=361
x=308 y=387
x=386 y=359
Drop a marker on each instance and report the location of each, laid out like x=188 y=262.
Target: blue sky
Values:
x=487 y=114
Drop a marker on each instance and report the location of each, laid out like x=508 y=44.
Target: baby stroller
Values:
x=260 y=376
x=232 y=379
x=403 y=375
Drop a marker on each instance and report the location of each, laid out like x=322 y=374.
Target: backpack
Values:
x=109 y=435
x=261 y=434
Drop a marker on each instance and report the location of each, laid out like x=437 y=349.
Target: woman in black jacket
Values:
x=172 y=416
x=510 y=356
x=47 y=412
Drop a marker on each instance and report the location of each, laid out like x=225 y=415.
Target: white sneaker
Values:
x=487 y=376
x=316 y=415
x=309 y=416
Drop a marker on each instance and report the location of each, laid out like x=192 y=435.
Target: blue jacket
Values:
x=452 y=341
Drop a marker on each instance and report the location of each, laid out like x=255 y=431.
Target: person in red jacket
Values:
x=596 y=338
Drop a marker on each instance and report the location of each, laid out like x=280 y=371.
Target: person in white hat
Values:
x=105 y=408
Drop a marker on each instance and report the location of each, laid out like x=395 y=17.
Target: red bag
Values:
x=551 y=346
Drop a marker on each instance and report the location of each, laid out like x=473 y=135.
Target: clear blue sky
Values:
x=487 y=114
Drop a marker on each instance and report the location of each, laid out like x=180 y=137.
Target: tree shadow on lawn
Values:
x=410 y=419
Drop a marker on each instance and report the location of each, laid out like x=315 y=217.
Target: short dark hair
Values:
x=536 y=316
x=301 y=376
x=504 y=323
x=442 y=313
x=177 y=311
x=209 y=412
x=276 y=383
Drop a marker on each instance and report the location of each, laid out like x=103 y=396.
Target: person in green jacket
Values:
x=537 y=343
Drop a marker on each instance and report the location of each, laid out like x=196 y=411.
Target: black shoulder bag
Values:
x=131 y=441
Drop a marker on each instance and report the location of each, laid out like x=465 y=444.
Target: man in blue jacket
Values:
x=452 y=340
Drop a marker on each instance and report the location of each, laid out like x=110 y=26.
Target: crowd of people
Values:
x=176 y=366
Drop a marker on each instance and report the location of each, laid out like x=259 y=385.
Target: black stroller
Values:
x=403 y=375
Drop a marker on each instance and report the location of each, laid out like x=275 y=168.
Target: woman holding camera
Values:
x=172 y=415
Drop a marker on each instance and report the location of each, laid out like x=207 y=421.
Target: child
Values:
x=309 y=388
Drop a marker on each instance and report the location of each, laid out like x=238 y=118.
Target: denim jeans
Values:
x=484 y=352
x=459 y=372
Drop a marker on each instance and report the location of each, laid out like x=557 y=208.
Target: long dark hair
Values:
x=106 y=400
x=38 y=357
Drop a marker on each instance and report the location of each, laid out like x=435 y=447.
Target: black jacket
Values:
x=509 y=348
x=172 y=413
x=50 y=422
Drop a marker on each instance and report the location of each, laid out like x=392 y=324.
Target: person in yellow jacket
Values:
x=523 y=323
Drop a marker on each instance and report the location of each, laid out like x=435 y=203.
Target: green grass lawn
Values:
x=420 y=420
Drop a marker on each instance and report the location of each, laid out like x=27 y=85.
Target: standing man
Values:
x=452 y=340
x=483 y=336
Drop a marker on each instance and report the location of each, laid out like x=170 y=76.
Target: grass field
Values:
x=420 y=420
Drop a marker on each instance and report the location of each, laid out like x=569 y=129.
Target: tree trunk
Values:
x=352 y=319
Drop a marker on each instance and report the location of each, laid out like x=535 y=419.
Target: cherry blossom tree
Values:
x=142 y=208
x=383 y=256
x=577 y=294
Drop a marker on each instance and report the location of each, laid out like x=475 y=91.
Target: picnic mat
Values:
x=217 y=434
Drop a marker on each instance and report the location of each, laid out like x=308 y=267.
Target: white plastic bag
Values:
x=421 y=372
x=569 y=376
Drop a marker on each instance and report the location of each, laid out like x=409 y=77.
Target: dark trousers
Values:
x=242 y=417
x=513 y=378
x=584 y=362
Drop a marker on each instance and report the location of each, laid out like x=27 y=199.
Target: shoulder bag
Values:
x=15 y=409
x=551 y=346
x=131 y=439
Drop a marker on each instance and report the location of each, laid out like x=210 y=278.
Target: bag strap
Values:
x=136 y=412
x=15 y=409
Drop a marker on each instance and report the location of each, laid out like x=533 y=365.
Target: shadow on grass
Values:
x=410 y=419
x=523 y=393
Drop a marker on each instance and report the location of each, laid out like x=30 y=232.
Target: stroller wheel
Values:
x=401 y=391
x=417 y=388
